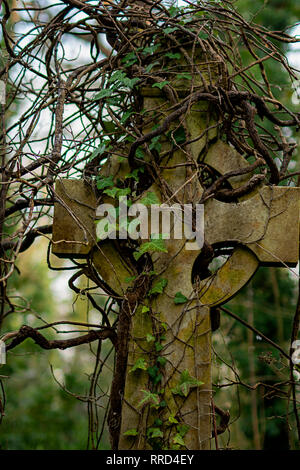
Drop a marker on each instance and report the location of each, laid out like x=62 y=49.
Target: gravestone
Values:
x=256 y=228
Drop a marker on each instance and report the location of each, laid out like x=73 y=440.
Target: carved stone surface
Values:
x=256 y=226
x=74 y=231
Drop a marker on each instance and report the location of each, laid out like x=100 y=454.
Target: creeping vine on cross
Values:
x=162 y=386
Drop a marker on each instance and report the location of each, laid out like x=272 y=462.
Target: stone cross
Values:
x=262 y=228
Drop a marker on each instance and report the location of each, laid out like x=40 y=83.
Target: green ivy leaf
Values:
x=150 y=49
x=202 y=35
x=162 y=361
x=109 y=126
x=111 y=192
x=99 y=151
x=158 y=422
x=178 y=135
x=158 y=347
x=103 y=94
x=150 y=337
x=123 y=192
x=154 y=433
x=163 y=404
x=126 y=116
x=180 y=298
x=105 y=182
x=155 y=144
x=130 y=279
x=120 y=78
x=184 y=76
x=139 y=153
x=186 y=382
x=173 y=55
x=131 y=432
x=154 y=374
x=139 y=364
x=170 y=30
x=150 y=67
x=149 y=199
x=153 y=245
x=149 y=397
x=129 y=59
x=172 y=419
x=135 y=173
x=158 y=287
x=145 y=309
x=174 y=10
x=182 y=429
x=178 y=440
x=117 y=192
x=160 y=85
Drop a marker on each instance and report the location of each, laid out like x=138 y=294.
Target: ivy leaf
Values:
x=111 y=192
x=130 y=279
x=149 y=199
x=150 y=67
x=103 y=94
x=150 y=337
x=131 y=432
x=104 y=182
x=158 y=347
x=154 y=374
x=154 y=433
x=178 y=440
x=120 y=78
x=158 y=287
x=182 y=429
x=155 y=144
x=202 y=35
x=123 y=192
x=99 y=151
x=129 y=59
x=173 y=55
x=172 y=419
x=135 y=173
x=149 y=397
x=178 y=135
x=160 y=85
x=184 y=76
x=150 y=49
x=153 y=245
x=186 y=382
x=180 y=298
x=109 y=126
x=162 y=361
x=117 y=192
x=139 y=364
x=158 y=422
x=126 y=116
x=170 y=30
x=139 y=153
x=145 y=309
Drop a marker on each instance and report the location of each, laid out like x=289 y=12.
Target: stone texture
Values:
x=74 y=231
x=265 y=227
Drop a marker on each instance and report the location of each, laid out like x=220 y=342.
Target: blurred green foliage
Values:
x=268 y=303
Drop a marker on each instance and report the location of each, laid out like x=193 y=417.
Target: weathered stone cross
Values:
x=264 y=229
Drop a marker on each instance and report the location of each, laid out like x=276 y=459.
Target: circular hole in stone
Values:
x=211 y=259
x=208 y=175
